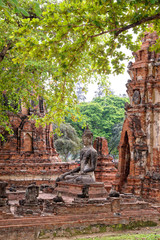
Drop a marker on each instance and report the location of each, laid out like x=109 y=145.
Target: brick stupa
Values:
x=106 y=170
x=139 y=148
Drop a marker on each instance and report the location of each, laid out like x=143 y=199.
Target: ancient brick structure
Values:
x=50 y=219
x=139 y=148
x=105 y=171
x=28 y=154
x=92 y=190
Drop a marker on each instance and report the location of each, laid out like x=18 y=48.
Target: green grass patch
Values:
x=126 y=237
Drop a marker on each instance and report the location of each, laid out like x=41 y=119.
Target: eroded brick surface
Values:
x=105 y=171
x=139 y=148
x=28 y=154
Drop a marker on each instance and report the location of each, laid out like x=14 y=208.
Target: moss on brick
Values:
x=133 y=225
x=101 y=228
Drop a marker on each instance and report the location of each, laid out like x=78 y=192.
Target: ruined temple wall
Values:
x=25 y=174
x=139 y=148
x=22 y=169
x=153 y=131
x=28 y=153
x=26 y=138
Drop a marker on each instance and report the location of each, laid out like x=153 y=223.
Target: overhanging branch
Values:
x=120 y=30
x=144 y=20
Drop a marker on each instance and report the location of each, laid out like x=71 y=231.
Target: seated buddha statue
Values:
x=88 y=161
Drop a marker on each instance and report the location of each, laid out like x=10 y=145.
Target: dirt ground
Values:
x=145 y=230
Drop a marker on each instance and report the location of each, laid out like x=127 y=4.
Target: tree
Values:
x=80 y=93
x=115 y=138
x=46 y=48
x=100 y=92
x=68 y=144
x=105 y=116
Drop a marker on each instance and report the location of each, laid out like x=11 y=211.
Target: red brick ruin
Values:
x=139 y=148
x=30 y=206
x=28 y=154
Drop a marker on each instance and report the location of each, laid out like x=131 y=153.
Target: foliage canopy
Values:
x=47 y=47
x=105 y=118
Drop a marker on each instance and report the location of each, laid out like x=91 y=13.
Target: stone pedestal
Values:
x=92 y=190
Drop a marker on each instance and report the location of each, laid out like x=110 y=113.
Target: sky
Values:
x=118 y=83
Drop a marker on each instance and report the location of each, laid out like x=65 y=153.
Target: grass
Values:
x=152 y=236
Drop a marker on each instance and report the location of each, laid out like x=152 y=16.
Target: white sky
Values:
x=117 y=82
x=117 y=85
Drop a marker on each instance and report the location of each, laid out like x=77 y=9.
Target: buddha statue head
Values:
x=87 y=137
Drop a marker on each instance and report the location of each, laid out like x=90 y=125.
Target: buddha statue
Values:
x=88 y=161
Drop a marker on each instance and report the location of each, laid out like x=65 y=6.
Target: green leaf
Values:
x=13 y=2
x=97 y=23
x=23 y=12
x=2 y=4
x=37 y=8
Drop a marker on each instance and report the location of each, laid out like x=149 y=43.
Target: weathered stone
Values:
x=3 y=186
x=31 y=195
x=58 y=198
x=3 y=195
x=139 y=148
x=84 y=173
x=106 y=170
x=114 y=193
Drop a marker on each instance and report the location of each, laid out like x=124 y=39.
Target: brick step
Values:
x=106 y=163
x=104 y=174
x=32 y=161
x=46 y=220
x=19 y=184
x=33 y=164
x=106 y=179
x=106 y=171
x=27 y=164
x=135 y=206
x=27 y=173
x=20 y=161
x=66 y=217
x=110 y=166
x=5 y=215
x=128 y=196
x=80 y=219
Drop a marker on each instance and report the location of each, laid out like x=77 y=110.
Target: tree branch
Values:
x=144 y=20
x=4 y=50
x=120 y=30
